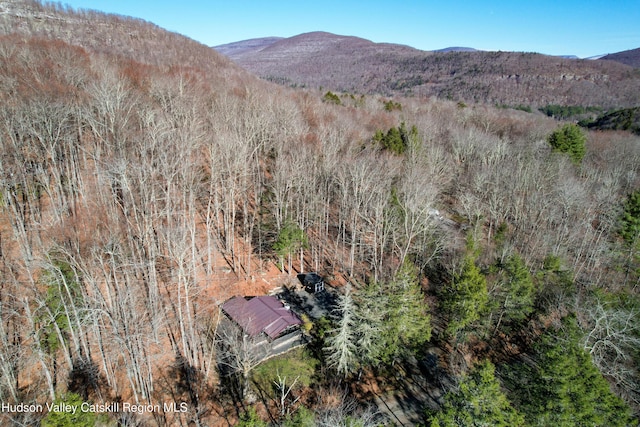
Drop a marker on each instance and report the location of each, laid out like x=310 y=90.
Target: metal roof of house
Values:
x=261 y=314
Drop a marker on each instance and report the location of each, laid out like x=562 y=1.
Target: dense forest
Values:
x=485 y=260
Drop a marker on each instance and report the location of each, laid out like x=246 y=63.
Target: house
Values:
x=312 y=282
x=262 y=315
x=254 y=329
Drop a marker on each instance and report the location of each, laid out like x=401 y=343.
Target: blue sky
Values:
x=561 y=27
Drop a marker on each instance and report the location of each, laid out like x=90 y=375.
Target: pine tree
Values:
x=478 y=401
x=409 y=324
x=290 y=240
x=569 y=139
x=563 y=387
x=341 y=343
x=516 y=292
x=250 y=418
x=68 y=418
x=630 y=232
x=467 y=296
x=630 y=220
x=392 y=318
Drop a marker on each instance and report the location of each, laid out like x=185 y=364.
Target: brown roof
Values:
x=261 y=314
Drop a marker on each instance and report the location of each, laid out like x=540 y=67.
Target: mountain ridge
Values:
x=241 y=46
x=353 y=64
x=629 y=57
x=235 y=49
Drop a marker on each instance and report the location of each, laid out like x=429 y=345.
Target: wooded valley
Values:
x=490 y=253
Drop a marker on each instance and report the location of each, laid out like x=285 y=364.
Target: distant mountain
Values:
x=352 y=64
x=315 y=44
x=456 y=49
x=236 y=49
x=240 y=48
x=628 y=57
x=320 y=42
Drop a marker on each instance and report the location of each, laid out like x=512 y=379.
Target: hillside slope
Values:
x=138 y=193
x=626 y=119
x=628 y=57
x=237 y=49
x=121 y=36
x=351 y=64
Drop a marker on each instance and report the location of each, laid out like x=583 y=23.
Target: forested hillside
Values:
x=485 y=259
x=352 y=64
x=629 y=57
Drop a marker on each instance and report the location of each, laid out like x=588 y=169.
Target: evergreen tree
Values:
x=569 y=139
x=63 y=292
x=393 y=141
x=341 y=343
x=68 y=418
x=521 y=289
x=467 y=297
x=408 y=136
x=378 y=137
x=409 y=319
x=397 y=139
x=478 y=401
x=391 y=105
x=290 y=240
x=331 y=98
x=371 y=326
x=555 y=283
x=630 y=220
x=302 y=417
x=630 y=232
x=563 y=387
x=516 y=291
x=392 y=318
x=250 y=418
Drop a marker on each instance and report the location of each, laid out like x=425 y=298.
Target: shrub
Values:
x=390 y=106
x=331 y=98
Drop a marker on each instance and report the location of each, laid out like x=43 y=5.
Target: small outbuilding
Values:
x=312 y=282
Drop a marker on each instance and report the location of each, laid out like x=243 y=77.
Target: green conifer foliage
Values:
x=68 y=418
x=251 y=419
x=562 y=387
x=393 y=318
x=569 y=139
x=331 y=98
x=63 y=291
x=630 y=232
x=630 y=220
x=290 y=240
x=467 y=297
x=397 y=139
x=479 y=401
x=519 y=289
